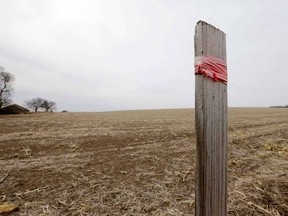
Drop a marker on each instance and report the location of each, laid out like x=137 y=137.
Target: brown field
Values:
x=137 y=162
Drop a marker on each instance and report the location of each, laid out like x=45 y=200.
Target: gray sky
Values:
x=97 y=55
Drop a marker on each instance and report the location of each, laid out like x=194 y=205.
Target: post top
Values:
x=201 y=22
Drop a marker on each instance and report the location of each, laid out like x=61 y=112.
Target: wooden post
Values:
x=211 y=127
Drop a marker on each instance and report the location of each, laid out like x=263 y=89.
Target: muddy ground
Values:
x=137 y=162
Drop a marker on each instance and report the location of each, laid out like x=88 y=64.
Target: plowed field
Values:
x=137 y=162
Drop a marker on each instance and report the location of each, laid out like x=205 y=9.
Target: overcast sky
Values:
x=100 y=55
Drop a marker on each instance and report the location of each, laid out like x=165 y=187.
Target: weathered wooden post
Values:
x=211 y=120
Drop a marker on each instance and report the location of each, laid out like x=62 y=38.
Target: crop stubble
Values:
x=137 y=162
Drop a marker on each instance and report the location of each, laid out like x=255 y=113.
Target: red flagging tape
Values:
x=211 y=67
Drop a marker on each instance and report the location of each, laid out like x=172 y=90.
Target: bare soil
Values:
x=137 y=162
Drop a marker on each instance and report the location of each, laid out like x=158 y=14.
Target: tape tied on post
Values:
x=211 y=67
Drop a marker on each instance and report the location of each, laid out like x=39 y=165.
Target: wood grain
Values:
x=211 y=127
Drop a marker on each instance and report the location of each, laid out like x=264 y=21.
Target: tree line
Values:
x=37 y=104
x=6 y=90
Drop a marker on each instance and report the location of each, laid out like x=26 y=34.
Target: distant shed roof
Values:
x=13 y=109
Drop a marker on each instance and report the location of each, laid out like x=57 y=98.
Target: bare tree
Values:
x=6 y=80
x=35 y=104
x=49 y=106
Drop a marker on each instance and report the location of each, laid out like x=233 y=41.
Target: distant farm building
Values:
x=13 y=109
